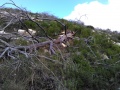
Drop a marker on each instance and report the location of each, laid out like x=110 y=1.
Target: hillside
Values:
x=87 y=60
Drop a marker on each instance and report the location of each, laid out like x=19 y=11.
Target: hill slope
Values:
x=90 y=60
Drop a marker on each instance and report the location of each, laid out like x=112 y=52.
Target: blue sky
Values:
x=104 y=14
x=59 y=8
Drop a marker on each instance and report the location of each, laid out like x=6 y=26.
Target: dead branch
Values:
x=10 y=48
x=25 y=50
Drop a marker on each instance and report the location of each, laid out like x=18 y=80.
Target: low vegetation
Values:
x=89 y=61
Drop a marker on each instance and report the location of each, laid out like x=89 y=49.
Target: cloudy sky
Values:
x=104 y=14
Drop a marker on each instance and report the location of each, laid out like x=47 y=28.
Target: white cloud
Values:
x=98 y=15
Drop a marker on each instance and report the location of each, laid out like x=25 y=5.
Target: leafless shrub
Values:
x=23 y=52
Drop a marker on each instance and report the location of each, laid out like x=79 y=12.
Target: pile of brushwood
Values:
x=52 y=59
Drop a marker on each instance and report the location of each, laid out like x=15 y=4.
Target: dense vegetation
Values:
x=90 y=62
